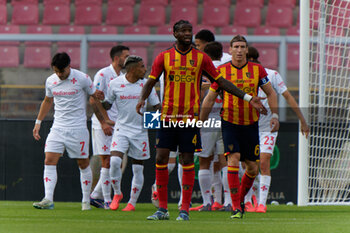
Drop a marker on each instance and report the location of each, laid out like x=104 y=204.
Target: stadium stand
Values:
x=268 y=57
x=111 y=30
x=247 y=16
x=151 y=15
x=197 y=28
x=37 y=57
x=140 y=51
x=279 y=16
x=84 y=2
x=139 y=30
x=293 y=57
x=224 y=3
x=98 y=57
x=25 y=13
x=70 y=30
x=234 y=30
x=183 y=12
x=290 y=3
x=74 y=53
x=193 y=3
x=56 y=13
x=88 y=14
x=125 y=15
x=63 y=2
x=217 y=16
x=267 y=31
x=3 y=13
x=254 y=3
x=121 y=2
x=9 y=29
x=38 y=29
x=155 y=2
x=9 y=56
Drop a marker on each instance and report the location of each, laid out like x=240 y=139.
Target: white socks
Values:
x=86 y=182
x=50 y=180
x=179 y=176
x=171 y=167
x=97 y=192
x=265 y=182
x=227 y=195
x=217 y=184
x=115 y=173
x=205 y=178
x=137 y=183
x=105 y=184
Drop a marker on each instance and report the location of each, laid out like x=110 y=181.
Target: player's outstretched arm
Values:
x=272 y=101
x=234 y=90
x=207 y=105
x=145 y=92
x=291 y=101
x=44 y=109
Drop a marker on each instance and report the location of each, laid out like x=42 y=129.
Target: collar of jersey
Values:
x=238 y=67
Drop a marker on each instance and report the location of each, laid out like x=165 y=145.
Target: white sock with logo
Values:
x=115 y=173
x=205 y=179
x=97 y=193
x=179 y=176
x=227 y=195
x=136 y=184
x=217 y=185
x=50 y=180
x=86 y=182
x=265 y=182
x=105 y=184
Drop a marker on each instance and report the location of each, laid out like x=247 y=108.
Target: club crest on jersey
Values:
x=192 y=62
x=248 y=74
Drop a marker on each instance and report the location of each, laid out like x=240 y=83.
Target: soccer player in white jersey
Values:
x=68 y=89
x=267 y=138
x=102 y=131
x=129 y=134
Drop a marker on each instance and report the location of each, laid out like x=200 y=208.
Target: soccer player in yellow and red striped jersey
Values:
x=183 y=67
x=240 y=130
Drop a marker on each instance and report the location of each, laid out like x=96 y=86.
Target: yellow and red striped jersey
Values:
x=182 y=80
x=248 y=78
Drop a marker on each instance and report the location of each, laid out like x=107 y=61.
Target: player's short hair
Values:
x=130 y=61
x=60 y=60
x=238 y=38
x=214 y=50
x=179 y=23
x=205 y=35
x=253 y=54
x=117 y=50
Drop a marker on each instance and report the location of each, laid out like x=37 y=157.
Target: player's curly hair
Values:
x=179 y=23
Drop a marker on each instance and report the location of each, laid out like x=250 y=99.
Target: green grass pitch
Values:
x=20 y=216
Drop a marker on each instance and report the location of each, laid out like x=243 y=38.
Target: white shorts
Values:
x=137 y=148
x=267 y=141
x=75 y=141
x=212 y=143
x=100 y=142
x=173 y=154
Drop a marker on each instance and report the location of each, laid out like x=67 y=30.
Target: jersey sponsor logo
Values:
x=151 y=120
x=182 y=78
x=249 y=89
x=129 y=97
x=65 y=93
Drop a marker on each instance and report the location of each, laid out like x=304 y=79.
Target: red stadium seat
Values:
x=70 y=30
x=38 y=29
x=151 y=15
x=334 y=31
x=155 y=2
x=3 y=14
x=88 y=2
x=247 y=16
x=267 y=31
x=62 y=2
x=109 y=30
x=289 y=3
x=293 y=31
x=268 y=57
x=293 y=57
x=56 y=14
x=88 y=14
x=37 y=57
x=340 y=16
x=137 y=30
x=98 y=57
x=9 y=29
x=165 y=29
x=279 y=16
x=140 y=51
x=217 y=16
x=25 y=14
x=9 y=56
x=252 y=3
x=333 y=57
x=20 y=2
x=193 y=3
x=74 y=54
x=183 y=12
x=234 y=30
x=124 y=13
x=121 y=2
x=222 y=3
x=158 y=50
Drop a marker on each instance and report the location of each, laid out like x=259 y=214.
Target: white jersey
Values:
x=70 y=97
x=125 y=96
x=279 y=86
x=101 y=81
x=215 y=112
x=225 y=58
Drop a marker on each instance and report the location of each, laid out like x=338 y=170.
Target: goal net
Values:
x=328 y=147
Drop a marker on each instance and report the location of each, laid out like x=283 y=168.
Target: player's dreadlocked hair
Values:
x=178 y=24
